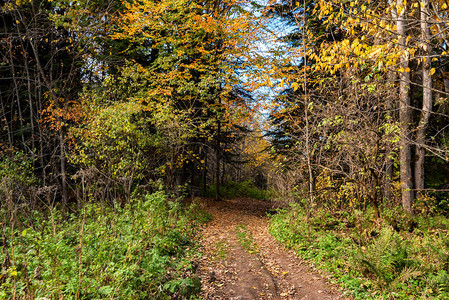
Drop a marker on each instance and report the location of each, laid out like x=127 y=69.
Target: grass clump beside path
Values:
x=397 y=257
x=142 y=251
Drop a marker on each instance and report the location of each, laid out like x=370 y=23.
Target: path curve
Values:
x=243 y=261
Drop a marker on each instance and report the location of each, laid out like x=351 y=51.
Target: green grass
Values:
x=220 y=250
x=143 y=251
x=397 y=257
x=245 y=239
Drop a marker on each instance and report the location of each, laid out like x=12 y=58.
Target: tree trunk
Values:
x=62 y=158
x=427 y=99
x=204 y=171
x=404 y=112
x=310 y=186
x=217 y=170
x=389 y=148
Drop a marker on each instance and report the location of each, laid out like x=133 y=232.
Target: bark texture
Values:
x=404 y=112
x=427 y=99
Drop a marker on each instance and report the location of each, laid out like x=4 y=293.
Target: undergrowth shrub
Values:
x=389 y=258
x=16 y=180
x=145 y=250
x=232 y=189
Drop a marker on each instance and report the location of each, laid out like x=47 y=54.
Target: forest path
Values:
x=243 y=261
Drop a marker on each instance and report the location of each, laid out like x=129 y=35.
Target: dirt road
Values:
x=243 y=261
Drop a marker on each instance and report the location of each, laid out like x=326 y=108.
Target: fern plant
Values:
x=387 y=259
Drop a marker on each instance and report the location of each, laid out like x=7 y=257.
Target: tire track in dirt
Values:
x=243 y=261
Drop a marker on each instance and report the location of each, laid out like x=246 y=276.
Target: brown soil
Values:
x=243 y=261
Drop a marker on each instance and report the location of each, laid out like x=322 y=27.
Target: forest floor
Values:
x=243 y=261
